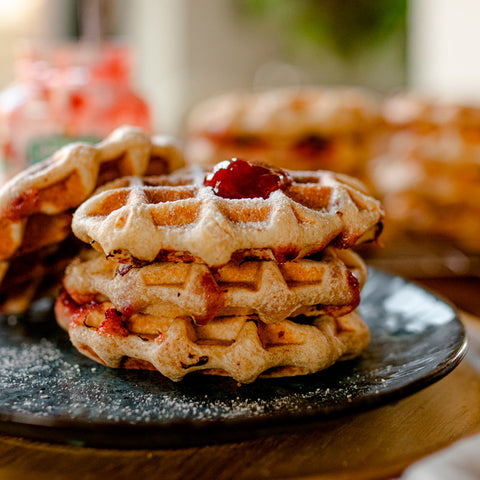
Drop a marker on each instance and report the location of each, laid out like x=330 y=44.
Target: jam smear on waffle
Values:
x=114 y=324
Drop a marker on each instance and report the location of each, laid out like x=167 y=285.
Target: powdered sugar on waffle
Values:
x=319 y=208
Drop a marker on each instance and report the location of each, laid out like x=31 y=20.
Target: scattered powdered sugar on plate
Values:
x=45 y=381
x=44 y=378
x=48 y=377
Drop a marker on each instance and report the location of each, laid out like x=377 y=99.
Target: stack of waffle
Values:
x=428 y=175
x=181 y=279
x=294 y=128
x=36 y=207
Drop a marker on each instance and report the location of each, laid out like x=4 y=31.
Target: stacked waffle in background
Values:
x=36 y=208
x=428 y=175
x=300 y=129
x=245 y=271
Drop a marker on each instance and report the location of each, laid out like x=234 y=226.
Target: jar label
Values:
x=43 y=147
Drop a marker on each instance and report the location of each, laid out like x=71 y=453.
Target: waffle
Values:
x=165 y=156
x=424 y=115
x=241 y=347
x=273 y=292
x=416 y=217
x=63 y=181
x=34 y=276
x=36 y=205
x=18 y=299
x=181 y=215
x=33 y=233
x=23 y=278
x=440 y=169
x=428 y=175
x=302 y=129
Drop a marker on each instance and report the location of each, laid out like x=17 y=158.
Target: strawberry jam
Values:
x=71 y=313
x=113 y=325
x=238 y=178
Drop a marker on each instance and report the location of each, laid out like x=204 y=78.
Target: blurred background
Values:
x=187 y=50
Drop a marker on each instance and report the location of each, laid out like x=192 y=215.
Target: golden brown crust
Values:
x=318 y=209
x=65 y=179
x=242 y=347
x=36 y=205
x=329 y=284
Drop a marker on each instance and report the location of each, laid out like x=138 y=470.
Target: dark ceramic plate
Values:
x=50 y=392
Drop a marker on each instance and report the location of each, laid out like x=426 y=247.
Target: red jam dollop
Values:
x=238 y=178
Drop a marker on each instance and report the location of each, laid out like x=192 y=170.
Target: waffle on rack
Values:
x=191 y=279
x=36 y=206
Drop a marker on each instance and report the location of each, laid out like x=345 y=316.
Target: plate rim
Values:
x=156 y=434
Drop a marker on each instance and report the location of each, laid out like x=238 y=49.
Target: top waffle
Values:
x=176 y=214
x=39 y=198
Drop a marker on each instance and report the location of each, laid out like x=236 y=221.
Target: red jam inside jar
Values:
x=238 y=178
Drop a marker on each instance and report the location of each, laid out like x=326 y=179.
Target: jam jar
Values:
x=67 y=93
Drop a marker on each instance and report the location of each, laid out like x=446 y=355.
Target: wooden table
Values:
x=377 y=444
